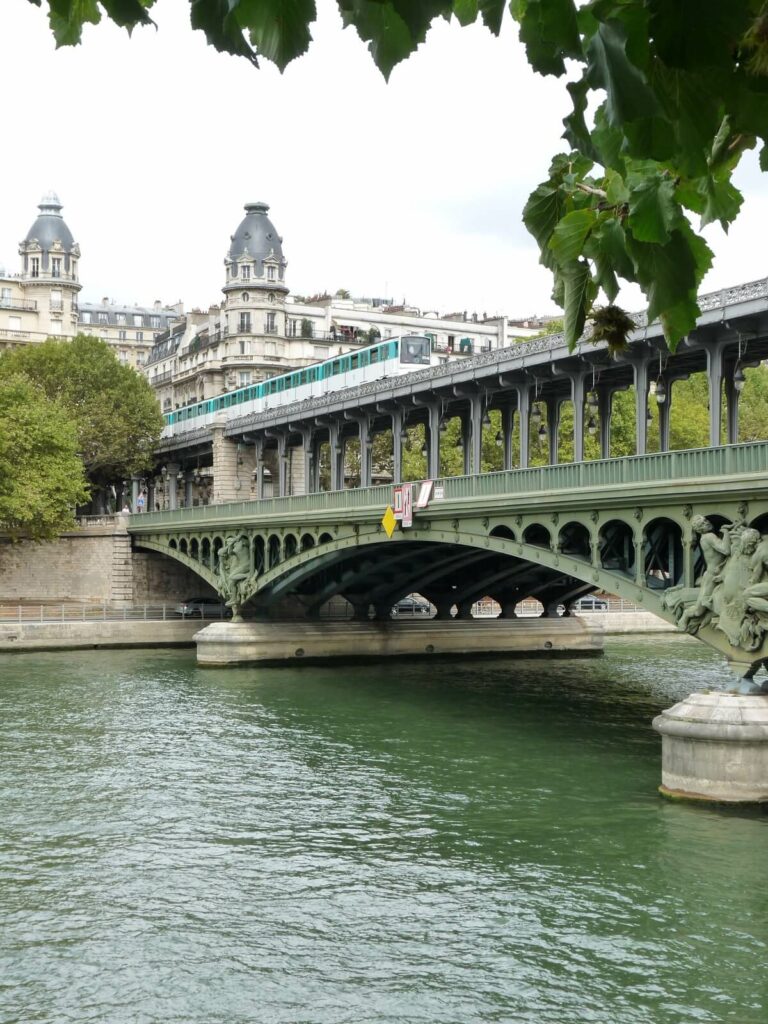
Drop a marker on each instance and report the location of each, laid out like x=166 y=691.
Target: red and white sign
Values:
x=397 y=502
x=407 y=516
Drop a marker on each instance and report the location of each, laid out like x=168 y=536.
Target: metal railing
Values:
x=29 y=305
x=102 y=612
x=661 y=467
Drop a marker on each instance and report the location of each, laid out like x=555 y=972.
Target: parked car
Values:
x=411 y=606
x=591 y=604
x=203 y=608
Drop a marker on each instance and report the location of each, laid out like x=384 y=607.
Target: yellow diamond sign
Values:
x=389 y=522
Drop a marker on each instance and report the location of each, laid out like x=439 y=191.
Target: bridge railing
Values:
x=673 y=466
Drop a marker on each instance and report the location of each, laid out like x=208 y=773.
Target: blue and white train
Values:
x=390 y=358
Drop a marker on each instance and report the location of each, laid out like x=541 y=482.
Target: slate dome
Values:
x=50 y=226
x=256 y=236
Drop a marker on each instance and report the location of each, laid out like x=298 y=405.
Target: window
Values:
x=245 y=378
x=270 y=323
x=244 y=346
x=14 y=323
x=35 y=266
x=319 y=352
x=245 y=323
x=5 y=294
x=138 y=320
x=120 y=317
x=271 y=273
x=103 y=318
x=139 y=335
x=55 y=327
x=245 y=297
x=56 y=304
x=246 y=271
x=154 y=321
x=271 y=296
x=85 y=317
x=291 y=328
x=56 y=266
x=122 y=335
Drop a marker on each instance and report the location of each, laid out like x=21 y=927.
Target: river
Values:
x=427 y=843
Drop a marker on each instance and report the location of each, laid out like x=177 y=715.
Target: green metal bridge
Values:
x=629 y=526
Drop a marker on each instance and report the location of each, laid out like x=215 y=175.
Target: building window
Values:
x=271 y=274
x=55 y=327
x=246 y=271
x=271 y=296
x=291 y=328
x=35 y=265
x=103 y=318
x=245 y=323
x=120 y=317
x=56 y=266
x=138 y=320
x=245 y=297
x=139 y=335
x=243 y=347
x=154 y=321
x=122 y=335
x=14 y=323
x=271 y=323
x=245 y=378
x=85 y=317
x=319 y=352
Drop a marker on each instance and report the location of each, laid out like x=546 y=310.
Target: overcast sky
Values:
x=411 y=190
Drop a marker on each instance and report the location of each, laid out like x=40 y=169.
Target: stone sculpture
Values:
x=732 y=593
x=236 y=576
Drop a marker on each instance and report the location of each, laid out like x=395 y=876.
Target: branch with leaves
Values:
x=667 y=96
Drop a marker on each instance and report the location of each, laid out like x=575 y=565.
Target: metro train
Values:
x=390 y=358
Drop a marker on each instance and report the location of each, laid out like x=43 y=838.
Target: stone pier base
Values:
x=233 y=643
x=715 y=748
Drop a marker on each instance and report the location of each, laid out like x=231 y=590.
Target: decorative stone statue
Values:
x=236 y=577
x=732 y=593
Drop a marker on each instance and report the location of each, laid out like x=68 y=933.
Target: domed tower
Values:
x=49 y=259
x=254 y=296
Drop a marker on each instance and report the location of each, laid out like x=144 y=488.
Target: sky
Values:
x=410 y=190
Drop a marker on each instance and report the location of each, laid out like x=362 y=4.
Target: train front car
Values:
x=415 y=350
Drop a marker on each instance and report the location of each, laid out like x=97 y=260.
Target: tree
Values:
x=41 y=474
x=671 y=94
x=115 y=411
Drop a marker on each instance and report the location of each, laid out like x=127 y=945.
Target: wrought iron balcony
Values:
x=25 y=304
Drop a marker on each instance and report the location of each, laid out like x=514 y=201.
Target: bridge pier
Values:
x=285 y=642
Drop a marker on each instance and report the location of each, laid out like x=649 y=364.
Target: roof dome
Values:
x=49 y=226
x=256 y=236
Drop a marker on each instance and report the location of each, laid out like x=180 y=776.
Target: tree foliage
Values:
x=115 y=411
x=667 y=95
x=41 y=475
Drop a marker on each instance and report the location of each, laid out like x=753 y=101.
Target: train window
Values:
x=355 y=361
x=375 y=354
x=336 y=366
x=414 y=350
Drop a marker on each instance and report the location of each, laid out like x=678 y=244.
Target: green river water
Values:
x=428 y=843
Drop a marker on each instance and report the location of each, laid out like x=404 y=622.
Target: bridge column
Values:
x=171 y=484
x=577 y=397
x=640 y=370
x=476 y=410
x=134 y=492
x=507 y=427
x=337 y=456
x=732 y=396
x=715 y=381
x=366 y=447
x=604 y=410
x=524 y=419
x=466 y=446
x=282 y=465
x=397 y=445
x=433 y=440
x=308 y=453
x=258 y=451
x=225 y=465
x=189 y=494
x=553 y=428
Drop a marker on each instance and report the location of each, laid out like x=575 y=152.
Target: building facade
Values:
x=41 y=301
x=260 y=330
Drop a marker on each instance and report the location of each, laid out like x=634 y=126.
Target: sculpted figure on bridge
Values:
x=732 y=592
x=237 y=580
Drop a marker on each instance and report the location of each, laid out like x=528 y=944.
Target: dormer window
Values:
x=35 y=266
x=246 y=271
x=56 y=266
x=271 y=273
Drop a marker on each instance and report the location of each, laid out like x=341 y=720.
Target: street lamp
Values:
x=592 y=402
x=542 y=433
x=499 y=439
x=738 y=378
x=661 y=391
x=536 y=414
x=592 y=425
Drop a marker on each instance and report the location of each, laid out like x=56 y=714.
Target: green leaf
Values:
x=722 y=202
x=629 y=97
x=764 y=158
x=669 y=275
x=608 y=141
x=492 y=13
x=653 y=211
x=549 y=31
x=221 y=27
x=576 y=129
x=570 y=233
x=578 y=289
x=616 y=191
x=698 y=33
x=67 y=18
x=279 y=29
x=465 y=11
x=541 y=213
x=392 y=28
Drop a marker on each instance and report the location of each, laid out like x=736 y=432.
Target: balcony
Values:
x=161 y=378
x=56 y=307
x=27 y=305
x=271 y=329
